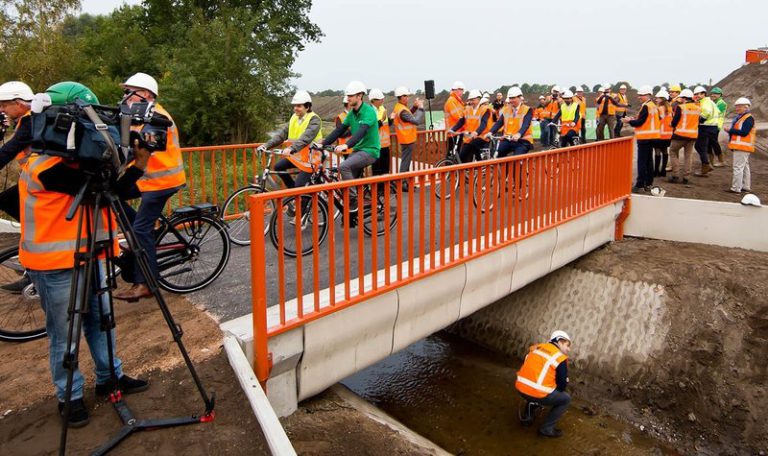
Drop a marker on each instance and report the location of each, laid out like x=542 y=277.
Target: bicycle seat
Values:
x=197 y=209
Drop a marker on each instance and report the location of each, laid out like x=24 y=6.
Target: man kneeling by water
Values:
x=542 y=380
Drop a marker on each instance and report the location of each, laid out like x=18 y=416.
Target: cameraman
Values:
x=15 y=99
x=164 y=177
x=47 y=186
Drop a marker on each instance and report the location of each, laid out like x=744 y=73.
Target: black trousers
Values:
x=381 y=165
x=707 y=134
x=470 y=149
x=714 y=145
x=567 y=139
x=302 y=178
x=660 y=157
x=644 y=163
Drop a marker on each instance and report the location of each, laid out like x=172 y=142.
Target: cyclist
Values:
x=570 y=120
x=516 y=118
x=454 y=108
x=303 y=128
x=361 y=121
x=476 y=122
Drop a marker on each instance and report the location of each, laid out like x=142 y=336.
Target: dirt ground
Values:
x=709 y=384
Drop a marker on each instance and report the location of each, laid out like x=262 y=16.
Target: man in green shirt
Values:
x=363 y=124
x=716 y=94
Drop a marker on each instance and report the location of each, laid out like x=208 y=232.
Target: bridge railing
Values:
x=496 y=203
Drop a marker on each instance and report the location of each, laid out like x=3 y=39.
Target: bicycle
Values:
x=235 y=213
x=193 y=249
x=291 y=218
x=555 y=135
x=451 y=179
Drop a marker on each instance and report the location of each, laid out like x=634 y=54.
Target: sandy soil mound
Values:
x=749 y=81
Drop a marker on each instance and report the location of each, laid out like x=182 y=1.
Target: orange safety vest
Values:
x=513 y=121
x=165 y=169
x=473 y=118
x=47 y=238
x=743 y=143
x=665 y=115
x=601 y=108
x=566 y=117
x=688 y=127
x=405 y=131
x=582 y=106
x=21 y=157
x=384 y=132
x=650 y=129
x=623 y=100
x=536 y=378
x=551 y=109
x=452 y=111
x=340 y=118
x=538 y=113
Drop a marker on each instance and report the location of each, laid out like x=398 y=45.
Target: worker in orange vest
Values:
x=742 y=145
x=453 y=110
x=339 y=120
x=622 y=103
x=381 y=165
x=542 y=381
x=552 y=107
x=475 y=123
x=569 y=116
x=164 y=176
x=516 y=118
x=15 y=103
x=582 y=100
x=661 y=147
x=606 y=113
x=538 y=112
x=685 y=130
x=647 y=127
x=406 y=122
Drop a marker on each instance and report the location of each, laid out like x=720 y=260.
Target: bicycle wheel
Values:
x=485 y=188
x=381 y=202
x=304 y=230
x=21 y=316
x=450 y=179
x=191 y=252
x=237 y=218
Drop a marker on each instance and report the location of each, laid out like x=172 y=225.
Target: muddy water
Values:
x=462 y=397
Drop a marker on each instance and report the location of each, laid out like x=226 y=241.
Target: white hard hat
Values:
x=604 y=89
x=743 y=101
x=750 y=200
x=645 y=90
x=402 y=90
x=515 y=92
x=345 y=100
x=699 y=89
x=555 y=89
x=142 y=81
x=567 y=94
x=686 y=93
x=376 y=94
x=579 y=88
x=542 y=97
x=484 y=99
x=14 y=90
x=662 y=94
x=458 y=85
x=474 y=93
x=658 y=191
x=355 y=87
x=557 y=335
x=623 y=86
x=301 y=97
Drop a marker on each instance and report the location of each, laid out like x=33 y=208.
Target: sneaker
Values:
x=126 y=384
x=78 y=414
x=18 y=286
x=553 y=432
x=730 y=190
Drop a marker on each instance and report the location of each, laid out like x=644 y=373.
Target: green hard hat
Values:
x=67 y=92
x=716 y=90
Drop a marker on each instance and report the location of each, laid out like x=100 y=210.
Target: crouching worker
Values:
x=47 y=188
x=542 y=380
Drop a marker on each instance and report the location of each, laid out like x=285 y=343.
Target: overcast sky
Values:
x=487 y=43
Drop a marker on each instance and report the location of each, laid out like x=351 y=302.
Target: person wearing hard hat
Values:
x=543 y=379
x=742 y=144
x=606 y=113
x=674 y=92
x=661 y=147
x=164 y=176
x=475 y=123
x=707 y=129
x=516 y=118
x=716 y=94
x=453 y=110
x=622 y=103
x=647 y=132
x=15 y=103
x=538 y=112
x=551 y=108
x=382 y=164
x=339 y=120
x=582 y=101
x=406 y=124
x=304 y=127
x=569 y=116
x=685 y=130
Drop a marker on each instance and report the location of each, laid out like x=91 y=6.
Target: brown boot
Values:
x=133 y=294
x=705 y=169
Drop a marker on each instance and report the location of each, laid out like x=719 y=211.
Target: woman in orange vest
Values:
x=661 y=147
x=164 y=176
x=742 y=144
x=475 y=123
x=647 y=132
x=685 y=130
x=542 y=380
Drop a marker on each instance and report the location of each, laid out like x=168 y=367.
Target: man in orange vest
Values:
x=542 y=381
x=475 y=123
x=381 y=165
x=685 y=130
x=15 y=99
x=606 y=113
x=582 y=100
x=622 y=103
x=647 y=127
x=453 y=109
x=551 y=108
x=164 y=176
x=516 y=118
x=339 y=120
x=742 y=145
x=406 y=123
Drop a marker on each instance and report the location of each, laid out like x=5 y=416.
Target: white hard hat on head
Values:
x=623 y=86
x=142 y=81
x=301 y=97
x=15 y=90
x=402 y=90
x=604 y=89
x=555 y=89
x=579 y=88
x=376 y=94
x=458 y=85
x=645 y=90
x=474 y=93
x=558 y=335
x=743 y=101
x=699 y=89
x=345 y=100
x=662 y=94
x=750 y=200
x=686 y=93
x=355 y=87
x=515 y=92
x=484 y=99
x=542 y=97
x=567 y=94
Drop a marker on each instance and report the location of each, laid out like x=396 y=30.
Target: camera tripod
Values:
x=97 y=207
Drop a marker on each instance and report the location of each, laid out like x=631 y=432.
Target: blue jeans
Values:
x=559 y=401
x=150 y=209
x=545 y=139
x=54 y=288
x=518 y=147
